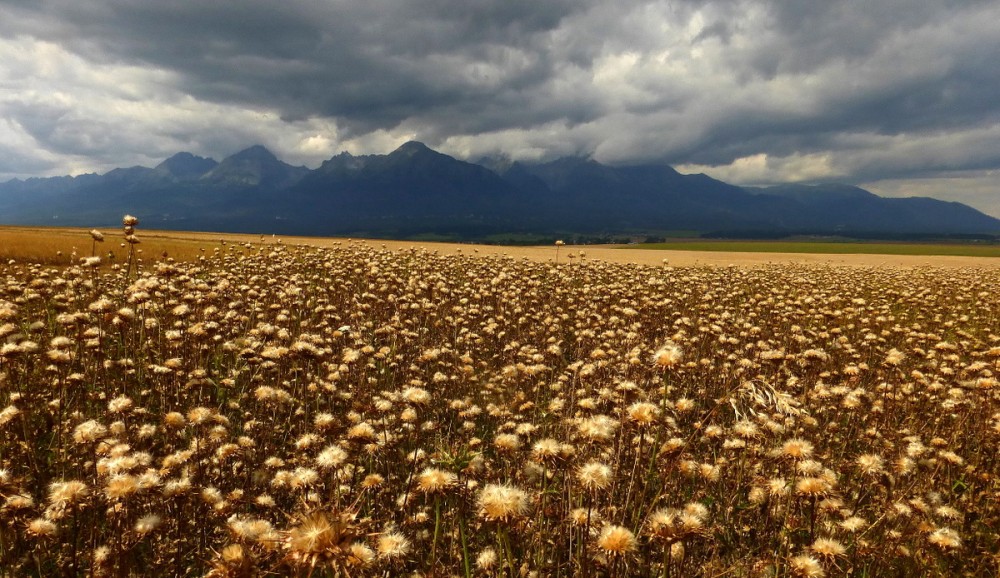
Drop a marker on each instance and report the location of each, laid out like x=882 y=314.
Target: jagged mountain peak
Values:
x=255 y=166
x=411 y=148
x=185 y=165
x=256 y=152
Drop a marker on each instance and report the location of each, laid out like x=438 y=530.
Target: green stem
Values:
x=466 y=561
x=508 y=554
x=437 y=530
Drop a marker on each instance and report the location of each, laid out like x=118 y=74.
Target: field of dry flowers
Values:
x=364 y=411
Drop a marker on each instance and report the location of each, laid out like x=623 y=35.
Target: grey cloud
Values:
x=704 y=82
x=370 y=64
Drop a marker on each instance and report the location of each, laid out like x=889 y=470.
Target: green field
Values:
x=828 y=247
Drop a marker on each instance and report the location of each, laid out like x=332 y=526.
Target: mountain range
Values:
x=415 y=191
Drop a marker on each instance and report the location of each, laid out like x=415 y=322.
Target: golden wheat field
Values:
x=380 y=409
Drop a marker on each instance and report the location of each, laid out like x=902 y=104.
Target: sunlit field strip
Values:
x=956 y=249
x=62 y=246
x=66 y=246
x=270 y=409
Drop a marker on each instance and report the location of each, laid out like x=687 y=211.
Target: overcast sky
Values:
x=899 y=96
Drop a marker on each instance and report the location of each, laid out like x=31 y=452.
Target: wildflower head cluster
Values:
x=269 y=409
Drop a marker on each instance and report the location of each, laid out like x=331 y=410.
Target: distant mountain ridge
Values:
x=415 y=190
x=185 y=167
x=254 y=167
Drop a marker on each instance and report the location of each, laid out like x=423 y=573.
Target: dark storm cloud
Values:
x=370 y=64
x=751 y=90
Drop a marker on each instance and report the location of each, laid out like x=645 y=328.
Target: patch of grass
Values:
x=518 y=238
x=826 y=247
x=433 y=238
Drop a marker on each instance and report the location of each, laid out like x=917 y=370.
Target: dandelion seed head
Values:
x=89 y=431
x=360 y=555
x=599 y=428
x=827 y=548
x=616 y=541
x=67 y=493
x=797 y=449
x=393 y=545
x=434 y=480
x=507 y=442
x=372 y=481
x=546 y=450
x=487 y=559
x=643 y=413
x=812 y=487
x=324 y=421
x=331 y=456
x=148 y=523
x=806 y=566
x=42 y=528
x=667 y=356
x=870 y=464
x=945 y=539
x=501 y=502
x=594 y=476
x=853 y=523
x=121 y=486
x=948 y=513
x=361 y=431
x=664 y=522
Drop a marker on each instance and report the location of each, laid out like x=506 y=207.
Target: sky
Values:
x=901 y=97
